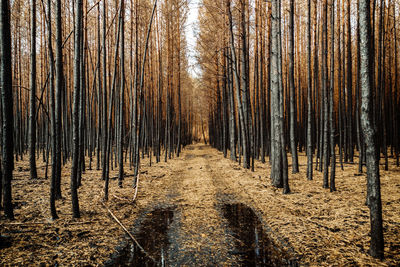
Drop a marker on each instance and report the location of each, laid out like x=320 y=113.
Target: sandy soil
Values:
x=312 y=224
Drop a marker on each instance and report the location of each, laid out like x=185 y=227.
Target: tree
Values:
x=75 y=113
x=369 y=132
x=7 y=108
x=122 y=96
x=349 y=148
x=278 y=152
x=309 y=98
x=325 y=95
x=293 y=147
x=331 y=102
x=32 y=95
x=58 y=105
x=52 y=117
x=236 y=74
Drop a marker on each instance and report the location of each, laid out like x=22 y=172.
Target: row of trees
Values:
x=327 y=82
x=109 y=84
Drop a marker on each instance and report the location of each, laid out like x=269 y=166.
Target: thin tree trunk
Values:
x=58 y=96
x=32 y=102
x=7 y=108
x=293 y=147
x=373 y=179
x=52 y=118
x=331 y=102
x=309 y=99
x=122 y=95
x=325 y=97
x=75 y=113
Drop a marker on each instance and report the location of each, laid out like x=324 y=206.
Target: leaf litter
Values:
x=320 y=227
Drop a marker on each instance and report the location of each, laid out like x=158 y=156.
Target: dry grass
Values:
x=67 y=241
x=323 y=228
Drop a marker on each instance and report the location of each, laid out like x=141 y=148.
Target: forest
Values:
x=200 y=132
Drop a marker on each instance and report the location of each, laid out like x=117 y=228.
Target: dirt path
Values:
x=198 y=234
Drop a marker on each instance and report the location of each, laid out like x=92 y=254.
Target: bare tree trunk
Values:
x=309 y=99
x=7 y=108
x=331 y=102
x=75 y=113
x=122 y=94
x=276 y=148
x=52 y=118
x=350 y=147
x=373 y=179
x=100 y=112
x=247 y=150
x=293 y=147
x=59 y=92
x=32 y=103
x=236 y=74
x=110 y=113
x=325 y=94
x=104 y=120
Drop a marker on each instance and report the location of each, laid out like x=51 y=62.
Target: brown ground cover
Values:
x=314 y=225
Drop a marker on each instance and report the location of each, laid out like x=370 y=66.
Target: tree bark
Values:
x=7 y=108
x=52 y=118
x=293 y=147
x=32 y=96
x=58 y=95
x=75 y=113
x=122 y=95
x=309 y=98
x=369 y=132
x=332 y=185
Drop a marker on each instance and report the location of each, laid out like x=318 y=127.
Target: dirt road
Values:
x=204 y=229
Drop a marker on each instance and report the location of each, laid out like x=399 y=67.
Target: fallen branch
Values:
x=129 y=233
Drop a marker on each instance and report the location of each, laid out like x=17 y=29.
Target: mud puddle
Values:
x=252 y=244
x=152 y=237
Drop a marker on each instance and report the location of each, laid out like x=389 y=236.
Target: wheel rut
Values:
x=192 y=222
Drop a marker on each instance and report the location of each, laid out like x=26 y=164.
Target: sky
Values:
x=191 y=36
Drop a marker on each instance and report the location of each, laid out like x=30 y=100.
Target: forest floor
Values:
x=311 y=224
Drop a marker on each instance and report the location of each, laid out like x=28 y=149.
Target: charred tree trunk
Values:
x=32 y=96
x=58 y=95
x=331 y=102
x=52 y=118
x=373 y=179
x=293 y=147
x=7 y=108
x=75 y=119
x=309 y=99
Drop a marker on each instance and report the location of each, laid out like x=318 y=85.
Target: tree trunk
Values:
x=59 y=92
x=331 y=102
x=52 y=118
x=32 y=95
x=309 y=98
x=293 y=147
x=373 y=179
x=7 y=108
x=325 y=96
x=122 y=95
x=75 y=113
x=276 y=153
x=350 y=148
